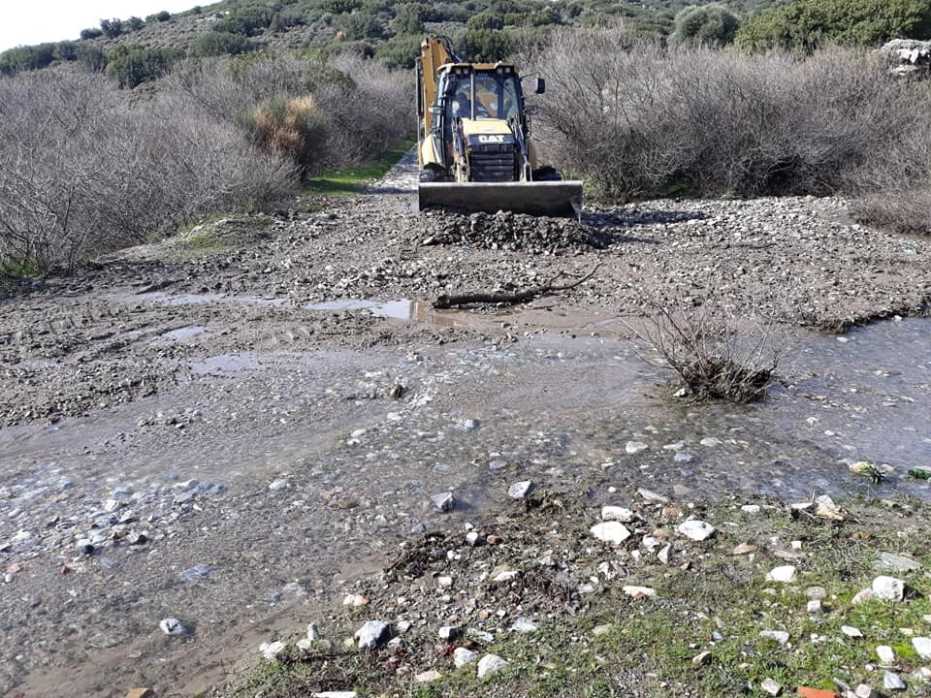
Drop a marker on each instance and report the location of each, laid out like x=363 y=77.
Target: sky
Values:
x=36 y=21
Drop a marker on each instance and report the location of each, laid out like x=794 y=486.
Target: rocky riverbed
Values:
x=233 y=429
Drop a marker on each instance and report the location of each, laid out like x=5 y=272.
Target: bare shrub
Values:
x=83 y=171
x=637 y=118
x=715 y=355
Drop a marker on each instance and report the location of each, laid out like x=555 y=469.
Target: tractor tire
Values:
x=546 y=174
x=433 y=174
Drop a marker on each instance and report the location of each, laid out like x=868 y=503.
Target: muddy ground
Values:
x=185 y=436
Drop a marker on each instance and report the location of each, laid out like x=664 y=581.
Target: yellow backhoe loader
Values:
x=473 y=142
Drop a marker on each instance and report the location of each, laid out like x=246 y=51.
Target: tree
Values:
x=485 y=45
x=705 y=25
x=400 y=51
x=91 y=33
x=131 y=66
x=485 y=21
x=410 y=18
x=807 y=24
x=220 y=44
x=111 y=27
x=135 y=23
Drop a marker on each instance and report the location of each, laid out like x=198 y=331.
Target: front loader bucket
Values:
x=536 y=198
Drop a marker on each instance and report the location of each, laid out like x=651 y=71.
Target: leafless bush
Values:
x=82 y=171
x=637 y=118
x=715 y=356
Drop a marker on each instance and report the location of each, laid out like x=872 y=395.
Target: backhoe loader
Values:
x=473 y=142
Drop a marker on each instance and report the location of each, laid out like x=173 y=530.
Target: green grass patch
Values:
x=20 y=268
x=354 y=180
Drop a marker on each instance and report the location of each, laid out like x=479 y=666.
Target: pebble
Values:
x=886 y=654
x=463 y=656
x=639 y=592
x=893 y=682
x=449 y=632
x=634 y=447
x=519 y=490
x=271 y=650
x=888 y=588
x=336 y=694
x=891 y=562
x=444 y=501
x=780 y=636
x=816 y=593
x=652 y=496
x=372 y=634
x=813 y=607
x=750 y=508
x=611 y=532
x=172 y=626
x=524 y=626
x=278 y=484
x=696 y=530
x=428 y=676
x=744 y=549
x=851 y=631
x=922 y=646
x=490 y=664
x=612 y=513
x=771 y=687
x=784 y=574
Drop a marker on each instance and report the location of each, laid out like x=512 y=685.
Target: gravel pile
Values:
x=512 y=231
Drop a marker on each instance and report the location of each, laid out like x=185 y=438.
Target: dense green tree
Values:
x=400 y=51
x=807 y=24
x=215 y=43
x=705 y=25
x=485 y=21
x=485 y=45
x=112 y=28
x=133 y=65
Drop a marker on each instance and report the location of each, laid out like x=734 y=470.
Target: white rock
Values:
x=524 y=626
x=355 y=600
x=639 y=592
x=172 y=626
x=922 y=646
x=750 y=508
x=313 y=632
x=336 y=694
x=278 y=484
x=888 y=588
x=893 y=682
x=503 y=575
x=652 y=496
x=710 y=441
x=463 y=656
x=780 y=636
x=891 y=562
x=771 y=687
x=490 y=664
x=784 y=574
x=449 y=632
x=270 y=650
x=611 y=513
x=851 y=631
x=886 y=654
x=813 y=607
x=428 y=676
x=696 y=530
x=519 y=490
x=635 y=447
x=864 y=691
x=827 y=509
x=472 y=538
x=372 y=634
x=611 y=532
x=444 y=501
x=862 y=596
x=663 y=555
x=444 y=582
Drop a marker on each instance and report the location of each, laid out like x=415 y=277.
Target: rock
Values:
x=271 y=650
x=634 y=447
x=372 y=634
x=710 y=442
x=663 y=554
x=893 y=682
x=780 y=636
x=336 y=694
x=922 y=646
x=827 y=509
x=463 y=656
x=750 y=508
x=891 y=562
x=611 y=513
x=813 y=607
x=886 y=654
x=696 y=530
x=613 y=532
x=744 y=549
x=771 y=687
x=524 y=626
x=472 y=538
x=519 y=490
x=651 y=496
x=444 y=582
x=851 y=631
x=355 y=600
x=140 y=693
x=313 y=632
x=604 y=629
x=172 y=626
x=784 y=574
x=701 y=658
x=468 y=425
x=639 y=592
x=683 y=457
x=864 y=691
x=84 y=546
x=502 y=575
x=490 y=664
x=428 y=676
x=444 y=501
x=862 y=597
x=449 y=632
x=888 y=588
x=278 y=484
x=481 y=636
x=818 y=593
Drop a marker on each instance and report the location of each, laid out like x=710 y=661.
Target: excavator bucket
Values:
x=557 y=199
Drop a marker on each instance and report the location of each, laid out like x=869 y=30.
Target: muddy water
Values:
x=305 y=470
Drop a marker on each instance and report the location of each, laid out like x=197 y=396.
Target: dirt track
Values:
x=185 y=392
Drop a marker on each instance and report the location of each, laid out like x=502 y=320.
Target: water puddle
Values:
x=396 y=310
x=182 y=334
x=173 y=299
